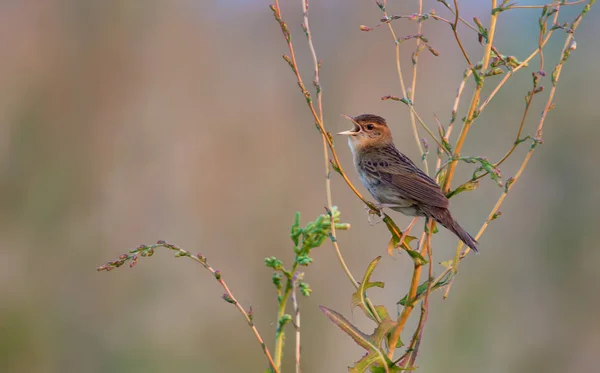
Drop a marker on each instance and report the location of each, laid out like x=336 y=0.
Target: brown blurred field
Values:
x=125 y=122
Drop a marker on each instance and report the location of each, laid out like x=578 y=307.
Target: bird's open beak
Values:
x=353 y=131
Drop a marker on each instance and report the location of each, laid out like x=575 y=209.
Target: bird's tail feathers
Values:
x=443 y=216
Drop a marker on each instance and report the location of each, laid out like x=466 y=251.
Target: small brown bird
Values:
x=394 y=180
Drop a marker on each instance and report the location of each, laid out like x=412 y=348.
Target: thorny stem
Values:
x=148 y=250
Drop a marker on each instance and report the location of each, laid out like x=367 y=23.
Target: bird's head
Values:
x=369 y=131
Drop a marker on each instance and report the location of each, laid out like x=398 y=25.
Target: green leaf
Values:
x=359 y=337
x=496 y=215
x=395 y=240
x=393 y=368
x=295 y=230
x=382 y=312
x=371 y=343
x=498 y=10
x=274 y=263
x=363 y=364
x=276 y=280
x=422 y=289
x=335 y=167
x=393 y=228
x=304 y=260
x=282 y=321
x=447 y=263
x=359 y=297
x=468 y=186
x=509 y=183
x=304 y=288
x=417 y=257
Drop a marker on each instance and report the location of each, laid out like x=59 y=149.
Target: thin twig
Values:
x=542 y=6
x=148 y=250
x=411 y=298
x=325 y=139
x=455 y=31
x=419 y=119
x=511 y=72
x=475 y=100
x=416 y=343
x=421 y=15
x=297 y=320
x=413 y=88
x=459 y=246
x=291 y=60
x=461 y=88
x=549 y=105
x=459 y=18
x=518 y=139
x=283 y=299
x=428 y=130
x=403 y=87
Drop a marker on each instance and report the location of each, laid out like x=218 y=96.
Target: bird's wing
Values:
x=411 y=182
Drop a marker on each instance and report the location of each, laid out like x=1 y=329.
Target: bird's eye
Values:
x=370 y=126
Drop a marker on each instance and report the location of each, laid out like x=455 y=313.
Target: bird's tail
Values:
x=443 y=216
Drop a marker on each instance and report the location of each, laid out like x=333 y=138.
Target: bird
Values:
x=394 y=180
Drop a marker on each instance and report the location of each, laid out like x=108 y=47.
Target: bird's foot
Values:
x=403 y=236
x=372 y=216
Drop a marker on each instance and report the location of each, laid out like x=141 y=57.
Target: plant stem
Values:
x=148 y=250
x=547 y=108
x=279 y=334
x=556 y=75
x=416 y=342
x=403 y=87
x=410 y=298
x=517 y=68
x=297 y=324
x=475 y=100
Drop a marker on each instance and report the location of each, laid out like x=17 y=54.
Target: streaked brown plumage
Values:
x=394 y=180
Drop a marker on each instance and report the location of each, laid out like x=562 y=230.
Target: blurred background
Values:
x=126 y=122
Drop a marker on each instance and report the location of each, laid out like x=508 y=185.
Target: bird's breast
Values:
x=382 y=190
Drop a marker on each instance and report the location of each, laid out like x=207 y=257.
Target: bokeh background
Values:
x=125 y=122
